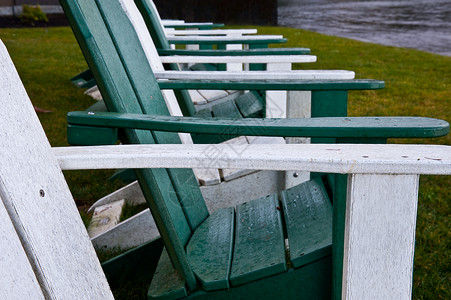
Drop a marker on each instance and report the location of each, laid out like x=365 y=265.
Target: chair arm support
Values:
x=355 y=127
x=249 y=52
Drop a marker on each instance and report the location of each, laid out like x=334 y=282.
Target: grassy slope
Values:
x=417 y=84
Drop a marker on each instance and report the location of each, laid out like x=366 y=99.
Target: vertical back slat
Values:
x=38 y=200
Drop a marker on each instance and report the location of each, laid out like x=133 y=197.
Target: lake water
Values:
x=419 y=24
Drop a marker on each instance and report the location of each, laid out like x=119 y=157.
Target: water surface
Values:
x=419 y=24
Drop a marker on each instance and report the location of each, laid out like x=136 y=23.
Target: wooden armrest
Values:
x=248 y=52
x=262 y=76
x=350 y=127
x=213 y=32
x=273 y=84
x=329 y=158
x=258 y=39
x=240 y=59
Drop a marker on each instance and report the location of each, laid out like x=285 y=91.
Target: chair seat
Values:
x=261 y=238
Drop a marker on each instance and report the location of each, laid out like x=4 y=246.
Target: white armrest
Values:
x=330 y=158
x=172 y=22
x=242 y=39
x=239 y=59
x=228 y=32
x=257 y=75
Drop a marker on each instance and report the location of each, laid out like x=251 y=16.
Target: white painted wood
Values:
x=172 y=22
x=276 y=101
x=17 y=278
x=242 y=39
x=299 y=105
x=131 y=193
x=269 y=59
x=105 y=217
x=328 y=158
x=257 y=75
x=212 y=32
x=130 y=233
x=380 y=236
x=38 y=200
x=213 y=95
x=94 y=93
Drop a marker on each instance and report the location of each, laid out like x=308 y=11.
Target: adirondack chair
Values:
x=47 y=254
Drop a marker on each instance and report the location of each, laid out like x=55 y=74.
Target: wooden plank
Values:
x=250 y=105
x=166 y=283
x=240 y=59
x=380 y=236
x=213 y=32
x=53 y=236
x=210 y=249
x=257 y=39
x=308 y=217
x=259 y=249
x=247 y=52
x=18 y=278
x=338 y=127
x=226 y=109
x=326 y=158
x=272 y=76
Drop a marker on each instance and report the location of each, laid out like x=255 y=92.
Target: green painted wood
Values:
x=98 y=106
x=249 y=52
x=210 y=250
x=137 y=264
x=339 y=221
x=312 y=281
x=226 y=109
x=251 y=105
x=166 y=283
x=281 y=85
x=153 y=25
x=357 y=127
x=140 y=74
x=114 y=81
x=91 y=136
x=187 y=41
x=259 y=249
x=204 y=67
x=84 y=79
x=308 y=217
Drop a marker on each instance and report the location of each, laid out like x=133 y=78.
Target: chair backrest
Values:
x=153 y=22
x=36 y=197
x=127 y=83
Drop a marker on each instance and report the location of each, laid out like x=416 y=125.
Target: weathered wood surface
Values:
x=258 y=75
x=18 y=280
x=213 y=32
x=240 y=59
x=328 y=158
x=380 y=236
x=38 y=200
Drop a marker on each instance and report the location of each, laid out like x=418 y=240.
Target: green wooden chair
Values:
x=232 y=252
x=46 y=253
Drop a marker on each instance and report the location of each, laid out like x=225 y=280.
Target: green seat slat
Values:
x=227 y=109
x=250 y=104
x=203 y=113
x=166 y=283
x=259 y=242
x=210 y=250
x=204 y=67
x=308 y=217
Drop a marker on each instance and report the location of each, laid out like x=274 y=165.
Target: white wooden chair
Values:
x=46 y=252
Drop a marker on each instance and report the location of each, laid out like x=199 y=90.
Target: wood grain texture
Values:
x=258 y=75
x=327 y=158
x=18 y=280
x=380 y=236
x=39 y=202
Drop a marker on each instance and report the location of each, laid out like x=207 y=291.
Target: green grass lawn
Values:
x=417 y=84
